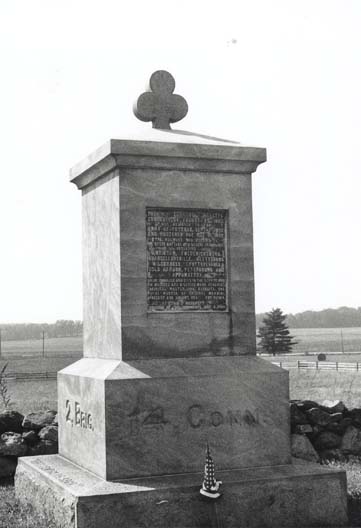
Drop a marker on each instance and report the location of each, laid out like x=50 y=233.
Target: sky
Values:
x=280 y=74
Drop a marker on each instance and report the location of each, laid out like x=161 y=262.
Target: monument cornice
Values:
x=220 y=157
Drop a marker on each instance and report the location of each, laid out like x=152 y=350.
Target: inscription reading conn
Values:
x=186 y=260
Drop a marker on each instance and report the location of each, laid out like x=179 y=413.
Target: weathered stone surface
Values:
x=153 y=417
x=333 y=406
x=50 y=432
x=316 y=430
x=303 y=429
x=293 y=495
x=306 y=405
x=30 y=437
x=301 y=447
x=355 y=416
x=11 y=421
x=7 y=466
x=318 y=417
x=332 y=454
x=345 y=422
x=43 y=447
x=38 y=420
x=351 y=441
x=327 y=440
x=337 y=428
x=336 y=417
x=297 y=416
x=12 y=444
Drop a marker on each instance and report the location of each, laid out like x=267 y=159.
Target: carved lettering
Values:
x=146 y=418
x=197 y=417
x=54 y=472
x=68 y=412
x=77 y=413
x=216 y=418
x=186 y=259
x=74 y=415
x=145 y=415
x=234 y=417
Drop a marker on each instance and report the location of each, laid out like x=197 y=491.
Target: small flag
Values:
x=210 y=486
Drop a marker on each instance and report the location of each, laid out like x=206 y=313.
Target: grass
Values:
x=36 y=364
x=327 y=339
x=353 y=470
x=34 y=395
x=14 y=515
x=52 y=346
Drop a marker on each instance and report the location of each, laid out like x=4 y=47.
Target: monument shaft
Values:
x=164 y=235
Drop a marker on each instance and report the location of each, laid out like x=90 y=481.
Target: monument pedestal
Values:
x=278 y=496
x=154 y=417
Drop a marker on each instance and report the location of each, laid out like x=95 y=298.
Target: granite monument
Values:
x=169 y=348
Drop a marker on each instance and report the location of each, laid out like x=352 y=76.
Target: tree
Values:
x=274 y=335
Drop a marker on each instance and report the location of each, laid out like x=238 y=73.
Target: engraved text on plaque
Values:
x=186 y=259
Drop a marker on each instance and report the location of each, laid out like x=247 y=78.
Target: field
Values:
x=27 y=357
x=34 y=347
x=310 y=340
x=327 y=340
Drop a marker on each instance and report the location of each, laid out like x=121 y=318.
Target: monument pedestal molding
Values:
x=276 y=496
x=169 y=350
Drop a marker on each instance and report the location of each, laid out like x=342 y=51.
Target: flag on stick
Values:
x=210 y=486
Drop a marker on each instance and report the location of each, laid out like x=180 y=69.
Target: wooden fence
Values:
x=30 y=375
x=308 y=365
x=318 y=365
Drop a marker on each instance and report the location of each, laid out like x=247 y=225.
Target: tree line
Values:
x=61 y=328
x=342 y=317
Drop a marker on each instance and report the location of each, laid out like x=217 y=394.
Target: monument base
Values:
x=278 y=496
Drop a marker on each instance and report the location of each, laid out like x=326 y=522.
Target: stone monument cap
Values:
x=173 y=146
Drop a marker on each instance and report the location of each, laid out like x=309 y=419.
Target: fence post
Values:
x=316 y=365
x=298 y=364
x=336 y=365
x=43 y=343
x=357 y=366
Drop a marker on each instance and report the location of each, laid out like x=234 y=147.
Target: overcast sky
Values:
x=279 y=74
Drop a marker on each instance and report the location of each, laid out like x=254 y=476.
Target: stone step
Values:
x=267 y=497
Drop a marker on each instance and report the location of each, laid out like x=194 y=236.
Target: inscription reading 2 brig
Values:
x=186 y=259
x=78 y=417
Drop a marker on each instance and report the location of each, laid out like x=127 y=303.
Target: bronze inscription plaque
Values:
x=186 y=260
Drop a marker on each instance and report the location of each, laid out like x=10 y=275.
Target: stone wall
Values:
x=30 y=435
x=327 y=431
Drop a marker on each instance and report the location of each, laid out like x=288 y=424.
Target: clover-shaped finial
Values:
x=160 y=105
